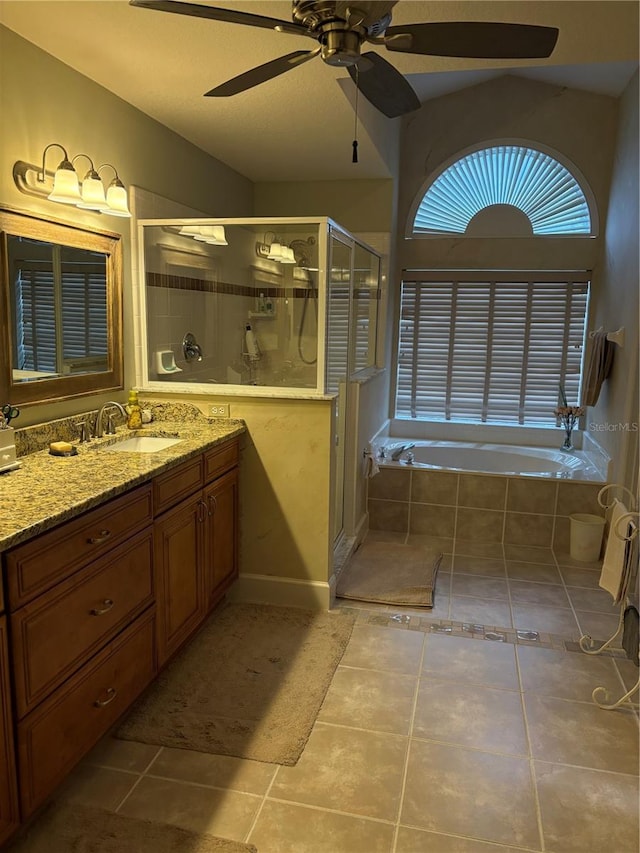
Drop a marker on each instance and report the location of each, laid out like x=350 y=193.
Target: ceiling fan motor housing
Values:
x=340 y=47
x=340 y=31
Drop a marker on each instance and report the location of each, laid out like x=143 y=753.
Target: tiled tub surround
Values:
x=47 y=490
x=478 y=507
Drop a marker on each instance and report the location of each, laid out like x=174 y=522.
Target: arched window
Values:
x=502 y=191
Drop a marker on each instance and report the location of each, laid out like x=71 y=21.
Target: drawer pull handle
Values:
x=98 y=540
x=108 y=604
x=213 y=503
x=111 y=693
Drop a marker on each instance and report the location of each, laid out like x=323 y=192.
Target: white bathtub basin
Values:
x=141 y=444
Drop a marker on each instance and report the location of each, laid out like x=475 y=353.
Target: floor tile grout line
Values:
x=139 y=779
x=564 y=586
x=497 y=844
x=405 y=770
x=180 y=781
x=380 y=820
x=532 y=769
x=260 y=808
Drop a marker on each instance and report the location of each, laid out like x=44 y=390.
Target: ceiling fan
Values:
x=341 y=28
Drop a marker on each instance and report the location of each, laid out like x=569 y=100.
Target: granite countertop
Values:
x=47 y=490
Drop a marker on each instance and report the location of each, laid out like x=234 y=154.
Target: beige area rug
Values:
x=72 y=828
x=250 y=684
x=387 y=573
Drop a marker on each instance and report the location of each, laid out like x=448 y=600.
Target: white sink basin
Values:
x=142 y=444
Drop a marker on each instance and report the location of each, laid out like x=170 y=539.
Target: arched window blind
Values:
x=530 y=180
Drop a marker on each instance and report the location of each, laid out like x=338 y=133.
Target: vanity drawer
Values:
x=37 y=565
x=54 y=737
x=59 y=631
x=171 y=488
x=220 y=459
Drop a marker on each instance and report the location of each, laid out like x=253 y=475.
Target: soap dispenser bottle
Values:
x=134 y=412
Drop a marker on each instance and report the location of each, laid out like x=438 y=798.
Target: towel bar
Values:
x=616 y=337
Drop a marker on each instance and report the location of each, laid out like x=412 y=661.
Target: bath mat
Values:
x=250 y=684
x=388 y=573
x=73 y=828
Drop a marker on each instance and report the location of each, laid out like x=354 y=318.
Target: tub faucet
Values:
x=97 y=430
x=397 y=453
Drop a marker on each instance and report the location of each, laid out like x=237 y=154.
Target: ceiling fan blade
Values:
x=262 y=73
x=216 y=14
x=474 y=39
x=384 y=86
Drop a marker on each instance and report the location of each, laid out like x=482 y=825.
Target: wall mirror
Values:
x=61 y=316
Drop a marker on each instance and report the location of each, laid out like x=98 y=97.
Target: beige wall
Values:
x=356 y=205
x=43 y=101
x=614 y=420
x=285 y=542
x=285 y=496
x=581 y=126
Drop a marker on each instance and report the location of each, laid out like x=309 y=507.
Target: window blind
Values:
x=82 y=290
x=490 y=347
x=530 y=180
x=36 y=319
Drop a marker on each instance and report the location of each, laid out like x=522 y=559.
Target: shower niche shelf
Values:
x=323 y=327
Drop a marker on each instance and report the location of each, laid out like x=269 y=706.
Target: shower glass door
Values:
x=339 y=288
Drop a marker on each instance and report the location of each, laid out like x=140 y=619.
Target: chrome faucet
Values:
x=397 y=453
x=110 y=430
x=191 y=349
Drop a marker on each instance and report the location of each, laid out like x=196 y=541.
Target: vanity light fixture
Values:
x=64 y=186
x=275 y=250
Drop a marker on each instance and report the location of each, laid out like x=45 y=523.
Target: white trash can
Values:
x=586 y=536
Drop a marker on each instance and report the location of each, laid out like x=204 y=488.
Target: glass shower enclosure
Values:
x=260 y=306
x=263 y=307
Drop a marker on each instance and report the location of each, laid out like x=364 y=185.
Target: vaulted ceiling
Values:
x=299 y=126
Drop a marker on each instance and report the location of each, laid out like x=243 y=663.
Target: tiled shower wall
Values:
x=481 y=507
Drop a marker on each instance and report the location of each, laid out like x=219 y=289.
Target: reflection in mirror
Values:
x=59 y=309
x=61 y=294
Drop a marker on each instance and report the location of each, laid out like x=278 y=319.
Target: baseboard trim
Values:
x=288 y=592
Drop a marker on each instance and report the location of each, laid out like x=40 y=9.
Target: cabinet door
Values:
x=178 y=548
x=8 y=790
x=221 y=560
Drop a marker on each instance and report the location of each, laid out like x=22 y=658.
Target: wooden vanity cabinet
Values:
x=221 y=562
x=95 y=606
x=195 y=543
x=9 y=816
x=81 y=604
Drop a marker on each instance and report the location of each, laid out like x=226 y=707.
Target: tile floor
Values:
x=427 y=741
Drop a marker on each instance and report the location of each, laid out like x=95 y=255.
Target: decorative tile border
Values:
x=472 y=631
x=183 y=282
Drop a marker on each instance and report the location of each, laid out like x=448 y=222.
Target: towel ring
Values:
x=632 y=499
x=634 y=532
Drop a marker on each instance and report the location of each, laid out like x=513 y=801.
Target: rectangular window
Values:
x=490 y=347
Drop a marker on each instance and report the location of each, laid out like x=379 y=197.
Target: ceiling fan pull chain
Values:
x=354 y=156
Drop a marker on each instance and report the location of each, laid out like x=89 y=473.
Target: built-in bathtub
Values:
x=489 y=459
x=487 y=492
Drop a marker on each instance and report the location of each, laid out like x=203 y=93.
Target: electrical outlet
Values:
x=220 y=410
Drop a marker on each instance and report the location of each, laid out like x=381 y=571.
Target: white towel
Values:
x=371 y=466
x=615 y=566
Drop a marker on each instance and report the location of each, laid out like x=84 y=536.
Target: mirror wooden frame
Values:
x=39 y=391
